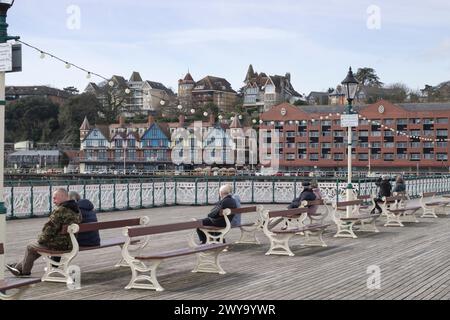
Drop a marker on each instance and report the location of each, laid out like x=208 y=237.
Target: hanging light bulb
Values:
x=220 y=117
x=127 y=91
x=88 y=76
x=240 y=117
x=205 y=114
x=192 y=111
x=42 y=55
x=68 y=65
x=254 y=121
x=261 y=122
x=111 y=83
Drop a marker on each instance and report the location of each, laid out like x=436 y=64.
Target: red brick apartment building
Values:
x=397 y=137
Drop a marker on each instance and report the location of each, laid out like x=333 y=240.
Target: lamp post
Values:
x=4 y=7
x=350 y=85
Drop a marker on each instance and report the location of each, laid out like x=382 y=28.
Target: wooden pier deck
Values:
x=414 y=263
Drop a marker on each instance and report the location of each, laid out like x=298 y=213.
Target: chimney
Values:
x=122 y=121
x=181 y=119
x=151 y=120
x=288 y=76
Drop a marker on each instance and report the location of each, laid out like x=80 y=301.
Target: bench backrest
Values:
x=348 y=203
x=287 y=213
x=145 y=231
x=394 y=199
x=428 y=194
x=2 y=249
x=97 y=226
x=241 y=210
x=314 y=203
x=365 y=197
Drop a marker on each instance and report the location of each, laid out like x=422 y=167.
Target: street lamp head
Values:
x=5 y=5
x=350 y=86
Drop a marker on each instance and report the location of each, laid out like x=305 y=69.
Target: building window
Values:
x=314 y=157
x=388 y=157
x=415 y=157
x=442 y=157
x=442 y=120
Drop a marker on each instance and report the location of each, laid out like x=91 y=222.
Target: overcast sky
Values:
x=315 y=41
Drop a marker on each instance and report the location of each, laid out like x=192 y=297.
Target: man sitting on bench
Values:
x=65 y=213
x=215 y=218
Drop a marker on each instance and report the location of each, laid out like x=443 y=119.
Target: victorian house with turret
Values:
x=261 y=92
x=210 y=89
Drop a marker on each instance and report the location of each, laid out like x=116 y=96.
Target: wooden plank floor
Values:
x=414 y=263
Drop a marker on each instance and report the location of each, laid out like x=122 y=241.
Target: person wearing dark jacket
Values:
x=88 y=215
x=214 y=217
x=385 y=191
x=306 y=195
x=66 y=212
x=400 y=185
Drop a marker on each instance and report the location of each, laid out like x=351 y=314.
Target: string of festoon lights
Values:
x=44 y=54
x=361 y=117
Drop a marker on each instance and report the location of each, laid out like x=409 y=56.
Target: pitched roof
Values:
x=85 y=125
x=135 y=77
x=160 y=86
x=36 y=91
x=235 y=124
x=250 y=73
x=188 y=77
x=213 y=83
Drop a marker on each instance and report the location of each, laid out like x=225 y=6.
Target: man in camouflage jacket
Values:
x=65 y=213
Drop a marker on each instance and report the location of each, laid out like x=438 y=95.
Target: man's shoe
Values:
x=16 y=272
x=12 y=268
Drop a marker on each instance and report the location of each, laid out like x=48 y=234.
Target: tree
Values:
x=72 y=114
x=397 y=93
x=34 y=119
x=368 y=77
x=113 y=102
x=300 y=103
x=72 y=90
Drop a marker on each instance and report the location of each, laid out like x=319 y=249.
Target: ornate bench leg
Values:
x=16 y=293
x=209 y=262
x=279 y=244
x=369 y=225
x=393 y=220
x=138 y=267
x=315 y=238
x=345 y=230
x=429 y=212
x=248 y=236
x=57 y=271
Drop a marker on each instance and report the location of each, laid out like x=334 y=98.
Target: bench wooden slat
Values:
x=364 y=197
x=348 y=203
x=235 y=226
x=143 y=231
x=243 y=210
x=428 y=194
x=302 y=229
x=183 y=252
x=96 y=226
x=315 y=202
x=287 y=213
x=2 y=249
x=396 y=198
x=15 y=283
x=361 y=217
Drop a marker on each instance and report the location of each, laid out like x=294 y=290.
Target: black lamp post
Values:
x=350 y=86
x=4 y=7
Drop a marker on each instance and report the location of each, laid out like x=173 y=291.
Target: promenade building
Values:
x=406 y=137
